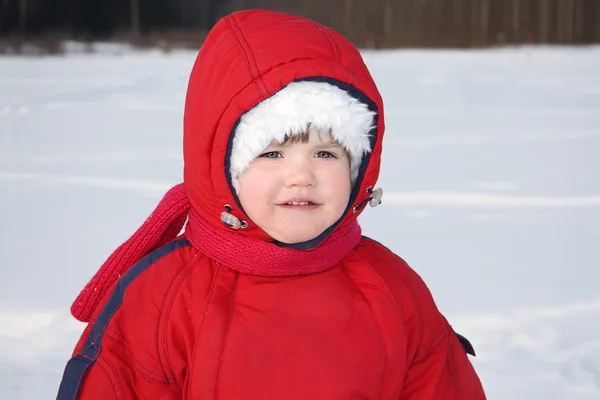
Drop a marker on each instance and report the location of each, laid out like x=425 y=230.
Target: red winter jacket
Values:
x=179 y=325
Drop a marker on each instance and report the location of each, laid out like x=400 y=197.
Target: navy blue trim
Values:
x=77 y=366
x=467 y=346
x=360 y=96
x=228 y=162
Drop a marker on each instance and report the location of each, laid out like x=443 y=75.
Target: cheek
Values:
x=255 y=191
x=337 y=183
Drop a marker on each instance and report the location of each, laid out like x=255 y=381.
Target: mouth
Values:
x=300 y=204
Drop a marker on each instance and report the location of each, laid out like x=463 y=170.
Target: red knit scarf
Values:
x=246 y=255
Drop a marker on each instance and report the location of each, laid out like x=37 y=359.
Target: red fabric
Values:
x=235 y=69
x=190 y=327
x=162 y=226
x=245 y=58
x=244 y=254
x=257 y=257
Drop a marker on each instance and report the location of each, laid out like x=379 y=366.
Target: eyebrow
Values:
x=328 y=145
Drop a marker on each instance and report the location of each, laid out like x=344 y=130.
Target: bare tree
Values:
x=578 y=22
x=23 y=15
x=135 y=16
x=544 y=25
x=379 y=23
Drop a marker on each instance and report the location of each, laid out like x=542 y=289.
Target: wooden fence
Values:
x=368 y=23
x=459 y=23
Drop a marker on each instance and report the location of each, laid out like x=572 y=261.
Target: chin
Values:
x=297 y=237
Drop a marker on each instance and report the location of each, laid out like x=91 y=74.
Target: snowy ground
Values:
x=492 y=193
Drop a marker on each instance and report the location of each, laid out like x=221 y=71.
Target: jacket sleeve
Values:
x=118 y=356
x=440 y=368
x=104 y=367
x=443 y=372
x=123 y=353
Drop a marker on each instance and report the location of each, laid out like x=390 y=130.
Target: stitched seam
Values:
x=80 y=381
x=245 y=57
x=151 y=379
x=116 y=376
x=351 y=74
x=209 y=297
x=375 y=315
x=452 y=368
x=258 y=74
x=338 y=57
x=146 y=373
x=137 y=365
x=418 y=304
x=108 y=375
x=384 y=284
x=431 y=345
x=117 y=334
x=434 y=343
x=320 y=29
x=132 y=280
x=94 y=343
x=229 y=317
x=415 y=299
x=185 y=273
x=231 y=132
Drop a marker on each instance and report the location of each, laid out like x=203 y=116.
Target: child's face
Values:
x=296 y=190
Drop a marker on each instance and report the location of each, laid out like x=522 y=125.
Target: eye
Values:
x=270 y=154
x=325 y=154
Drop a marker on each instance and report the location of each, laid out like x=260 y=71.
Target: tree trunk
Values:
x=135 y=16
x=570 y=17
x=485 y=23
x=515 y=18
x=544 y=23
x=578 y=22
x=23 y=16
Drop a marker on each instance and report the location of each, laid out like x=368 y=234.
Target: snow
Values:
x=491 y=192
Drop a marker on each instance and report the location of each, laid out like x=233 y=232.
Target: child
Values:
x=271 y=292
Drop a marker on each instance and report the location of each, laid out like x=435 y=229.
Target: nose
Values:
x=300 y=174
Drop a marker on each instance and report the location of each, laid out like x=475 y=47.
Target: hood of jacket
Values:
x=248 y=58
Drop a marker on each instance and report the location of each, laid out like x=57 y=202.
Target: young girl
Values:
x=271 y=292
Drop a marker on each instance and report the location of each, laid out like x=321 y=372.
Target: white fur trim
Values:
x=288 y=112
